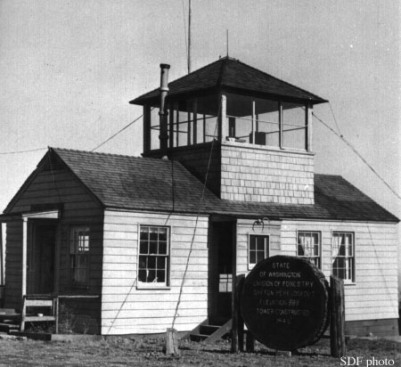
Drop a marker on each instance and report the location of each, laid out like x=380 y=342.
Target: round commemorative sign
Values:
x=284 y=302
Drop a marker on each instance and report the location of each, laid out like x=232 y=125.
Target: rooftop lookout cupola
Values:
x=256 y=128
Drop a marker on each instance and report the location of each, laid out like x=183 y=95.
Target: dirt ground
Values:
x=149 y=352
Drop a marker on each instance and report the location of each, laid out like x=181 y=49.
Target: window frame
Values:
x=352 y=257
x=319 y=257
x=154 y=285
x=74 y=253
x=266 y=248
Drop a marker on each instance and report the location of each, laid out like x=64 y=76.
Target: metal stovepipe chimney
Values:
x=164 y=68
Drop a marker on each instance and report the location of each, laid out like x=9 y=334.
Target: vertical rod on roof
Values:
x=189 y=37
x=227 y=40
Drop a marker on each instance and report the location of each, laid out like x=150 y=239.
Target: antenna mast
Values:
x=227 y=40
x=189 y=37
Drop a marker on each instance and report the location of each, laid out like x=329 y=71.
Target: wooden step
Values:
x=39 y=318
x=208 y=329
x=210 y=333
x=8 y=314
x=8 y=327
x=198 y=337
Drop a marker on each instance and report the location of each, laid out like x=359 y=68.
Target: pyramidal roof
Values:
x=231 y=75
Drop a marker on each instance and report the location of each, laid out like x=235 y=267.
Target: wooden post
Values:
x=172 y=343
x=280 y=125
x=223 y=123
x=177 y=122
x=1 y=257
x=240 y=320
x=24 y=254
x=234 y=303
x=189 y=126
x=23 y=314
x=253 y=121
x=231 y=127
x=337 y=318
x=195 y=122
x=204 y=128
x=56 y=312
x=171 y=127
x=250 y=342
x=308 y=128
x=57 y=260
x=146 y=129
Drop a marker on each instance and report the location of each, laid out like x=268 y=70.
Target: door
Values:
x=221 y=270
x=41 y=257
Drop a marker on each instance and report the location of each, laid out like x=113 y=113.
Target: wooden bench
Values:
x=39 y=303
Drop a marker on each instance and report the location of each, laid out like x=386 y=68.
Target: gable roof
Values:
x=150 y=184
x=232 y=75
x=128 y=182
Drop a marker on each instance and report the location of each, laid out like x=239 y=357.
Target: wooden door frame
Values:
x=46 y=215
x=231 y=262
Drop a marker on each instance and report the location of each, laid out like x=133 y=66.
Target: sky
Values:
x=69 y=68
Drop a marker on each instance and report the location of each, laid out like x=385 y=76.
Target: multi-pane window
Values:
x=258 y=249
x=153 y=255
x=79 y=256
x=343 y=256
x=309 y=246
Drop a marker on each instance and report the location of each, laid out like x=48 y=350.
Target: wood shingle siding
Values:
x=129 y=310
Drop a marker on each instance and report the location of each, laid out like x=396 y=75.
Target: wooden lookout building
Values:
x=138 y=245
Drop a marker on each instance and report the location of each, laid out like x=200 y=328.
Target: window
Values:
x=153 y=256
x=343 y=256
x=309 y=246
x=258 y=249
x=79 y=256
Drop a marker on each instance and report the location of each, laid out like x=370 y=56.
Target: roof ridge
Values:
x=328 y=175
x=117 y=155
x=94 y=153
x=180 y=78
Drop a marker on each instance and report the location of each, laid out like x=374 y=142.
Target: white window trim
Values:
x=154 y=286
x=320 y=246
x=73 y=229
x=266 y=249
x=346 y=281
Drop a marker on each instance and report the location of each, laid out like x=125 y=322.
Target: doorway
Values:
x=220 y=280
x=41 y=257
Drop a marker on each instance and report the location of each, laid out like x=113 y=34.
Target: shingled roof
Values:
x=234 y=76
x=150 y=184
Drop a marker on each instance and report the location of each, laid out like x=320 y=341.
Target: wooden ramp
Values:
x=210 y=331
